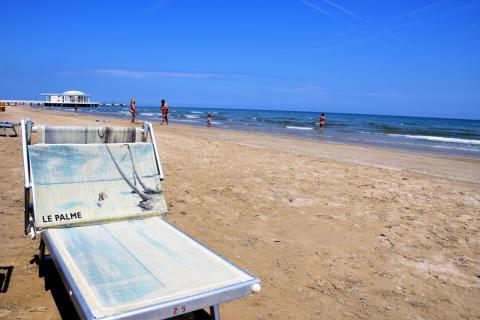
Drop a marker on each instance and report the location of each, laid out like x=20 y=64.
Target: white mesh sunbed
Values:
x=98 y=208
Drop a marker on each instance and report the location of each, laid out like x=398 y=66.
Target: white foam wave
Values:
x=150 y=114
x=438 y=139
x=299 y=128
x=184 y=120
x=192 y=116
x=198 y=112
x=457 y=148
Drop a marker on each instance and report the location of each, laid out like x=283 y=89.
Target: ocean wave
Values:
x=198 y=112
x=438 y=139
x=185 y=120
x=299 y=128
x=148 y=114
x=457 y=148
x=192 y=116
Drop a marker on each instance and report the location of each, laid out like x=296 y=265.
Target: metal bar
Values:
x=41 y=258
x=42 y=250
x=192 y=303
x=145 y=131
x=26 y=210
x=157 y=157
x=26 y=175
x=214 y=312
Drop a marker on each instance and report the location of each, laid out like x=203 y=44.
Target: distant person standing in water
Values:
x=209 y=120
x=322 y=122
x=164 y=107
x=133 y=109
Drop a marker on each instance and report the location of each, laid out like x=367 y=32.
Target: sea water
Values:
x=452 y=136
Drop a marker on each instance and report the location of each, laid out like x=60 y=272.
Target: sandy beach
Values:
x=333 y=231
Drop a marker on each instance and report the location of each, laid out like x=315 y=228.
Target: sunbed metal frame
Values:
x=9 y=125
x=210 y=299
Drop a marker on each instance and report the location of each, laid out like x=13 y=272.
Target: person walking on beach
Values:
x=164 y=107
x=209 y=120
x=133 y=109
x=322 y=122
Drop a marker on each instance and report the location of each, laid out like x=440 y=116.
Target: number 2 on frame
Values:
x=178 y=310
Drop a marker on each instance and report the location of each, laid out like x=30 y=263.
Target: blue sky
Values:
x=400 y=57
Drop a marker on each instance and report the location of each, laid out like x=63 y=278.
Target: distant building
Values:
x=68 y=99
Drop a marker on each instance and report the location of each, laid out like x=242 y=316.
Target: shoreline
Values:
x=393 y=141
x=455 y=167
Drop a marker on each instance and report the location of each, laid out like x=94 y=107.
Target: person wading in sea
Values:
x=164 y=107
x=322 y=121
x=209 y=120
x=133 y=109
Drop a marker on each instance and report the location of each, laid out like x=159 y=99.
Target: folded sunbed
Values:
x=94 y=194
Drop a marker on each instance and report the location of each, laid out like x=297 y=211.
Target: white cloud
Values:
x=350 y=13
x=325 y=12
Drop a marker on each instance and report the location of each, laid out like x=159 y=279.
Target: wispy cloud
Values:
x=325 y=12
x=423 y=10
x=157 y=5
x=138 y=74
x=373 y=34
x=349 y=12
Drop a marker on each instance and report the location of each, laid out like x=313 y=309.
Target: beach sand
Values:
x=333 y=231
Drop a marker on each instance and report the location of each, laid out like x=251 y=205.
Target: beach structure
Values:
x=5 y=126
x=95 y=197
x=71 y=98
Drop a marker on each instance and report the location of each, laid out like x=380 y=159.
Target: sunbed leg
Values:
x=31 y=228
x=42 y=250
x=41 y=258
x=215 y=312
x=26 y=210
x=146 y=131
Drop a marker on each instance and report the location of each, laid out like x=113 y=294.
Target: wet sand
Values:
x=334 y=231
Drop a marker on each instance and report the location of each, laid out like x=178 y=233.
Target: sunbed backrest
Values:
x=88 y=134
x=82 y=183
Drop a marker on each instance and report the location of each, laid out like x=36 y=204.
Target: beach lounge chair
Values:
x=94 y=196
x=8 y=125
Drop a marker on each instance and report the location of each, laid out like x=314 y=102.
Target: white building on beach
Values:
x=71 y=98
